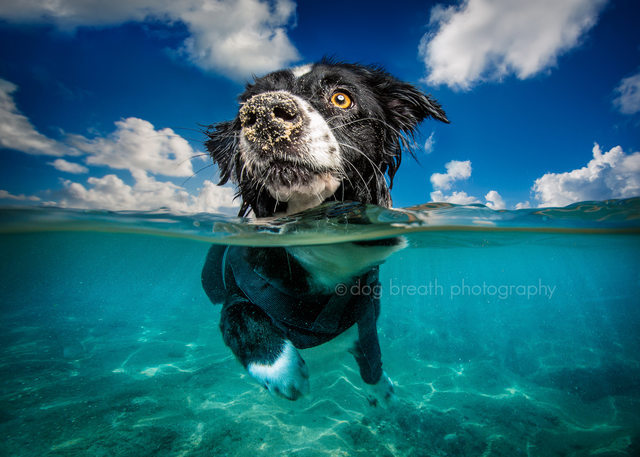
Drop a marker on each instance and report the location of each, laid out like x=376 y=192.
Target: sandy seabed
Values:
x=170 y=387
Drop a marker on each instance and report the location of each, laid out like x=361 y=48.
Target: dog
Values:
x=303 y=137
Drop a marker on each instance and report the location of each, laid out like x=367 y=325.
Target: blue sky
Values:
x=101 y=102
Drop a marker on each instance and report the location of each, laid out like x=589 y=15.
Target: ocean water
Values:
x=506 y=333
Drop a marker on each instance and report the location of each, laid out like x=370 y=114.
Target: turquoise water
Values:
x=511 y=333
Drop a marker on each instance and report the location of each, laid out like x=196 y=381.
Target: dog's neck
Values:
x=331 y=265
x=301 y=202
x=300 y=198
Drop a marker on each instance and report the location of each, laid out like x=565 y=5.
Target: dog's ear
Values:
x=409 y=106
x=405 y=107
x=221 y=145
x=406 y=104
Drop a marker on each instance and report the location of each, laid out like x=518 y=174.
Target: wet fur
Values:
x=364 y=146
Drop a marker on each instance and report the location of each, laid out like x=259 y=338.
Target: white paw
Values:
x=287 y=377
x=382 y=392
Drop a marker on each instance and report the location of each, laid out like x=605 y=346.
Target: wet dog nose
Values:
x=270 y=118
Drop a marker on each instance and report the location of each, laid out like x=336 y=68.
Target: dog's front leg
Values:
x=370 y=364
x=366 y=351
x=262 y=349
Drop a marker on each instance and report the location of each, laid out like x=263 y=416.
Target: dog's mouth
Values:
x=290 y=174
x=298 y=185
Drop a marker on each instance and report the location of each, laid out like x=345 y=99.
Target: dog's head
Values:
x=327 y=131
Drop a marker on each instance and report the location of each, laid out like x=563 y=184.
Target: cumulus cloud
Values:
x=240 y=37
x=4 y=195
x=480 y=40
x=234 y=37
x=68 y=167
x=17 y=132
x=612 y=174
x=494 y=200
x=628 y=100
x=459 y=171
x=458 y=198
x=136 y=145
x=456 y=170
x=112 y=193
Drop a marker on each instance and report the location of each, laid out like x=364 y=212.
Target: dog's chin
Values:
x=302 y=189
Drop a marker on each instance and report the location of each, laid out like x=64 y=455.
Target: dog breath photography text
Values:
x=396 y=287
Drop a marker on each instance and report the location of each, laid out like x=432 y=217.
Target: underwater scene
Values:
x=505 y=333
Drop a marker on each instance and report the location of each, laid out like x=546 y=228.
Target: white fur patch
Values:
x=319 y=140
x=333 y=264
x=300 y=197
x=287 y=377
x=301 y=70
x=383 y=391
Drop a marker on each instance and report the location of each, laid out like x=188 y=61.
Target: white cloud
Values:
x=458 y=198
x=456 y=170
x=628 y=102
x=4 y=195
x=494 y=200
x=429 y=144
x=135 y=145
x=612 y=174
x=234 y=37
x=523 y=205
x=482 y=40
x=68 y=167
x=240 y=37
x=17 y=132
x=147 y=194
x=213 y=196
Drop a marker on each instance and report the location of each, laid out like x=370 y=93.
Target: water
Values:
x=512 y=333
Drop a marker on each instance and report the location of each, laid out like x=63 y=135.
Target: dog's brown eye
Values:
x=341 y=100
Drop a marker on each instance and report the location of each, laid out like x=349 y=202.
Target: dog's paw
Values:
x=287 y=376
x=382 y=392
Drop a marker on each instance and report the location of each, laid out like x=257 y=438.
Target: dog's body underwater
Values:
x=305 y=136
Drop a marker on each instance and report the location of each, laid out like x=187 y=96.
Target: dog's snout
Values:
x=269 y=118
x=269 y=108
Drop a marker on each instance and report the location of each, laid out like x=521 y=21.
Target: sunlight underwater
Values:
x=507 y=333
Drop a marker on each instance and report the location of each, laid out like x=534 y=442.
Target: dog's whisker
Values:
x=376 y=168
x=363 y=154
x=198 y=171
x=407 y=143
x=193 y=157
x=264 y=183
x=357 y=172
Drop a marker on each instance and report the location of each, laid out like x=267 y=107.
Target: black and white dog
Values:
x=305 y=136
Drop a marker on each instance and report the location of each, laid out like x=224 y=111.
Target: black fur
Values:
x=369 y=137
x=386 y=113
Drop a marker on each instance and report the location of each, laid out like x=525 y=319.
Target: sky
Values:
x=102 y=104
